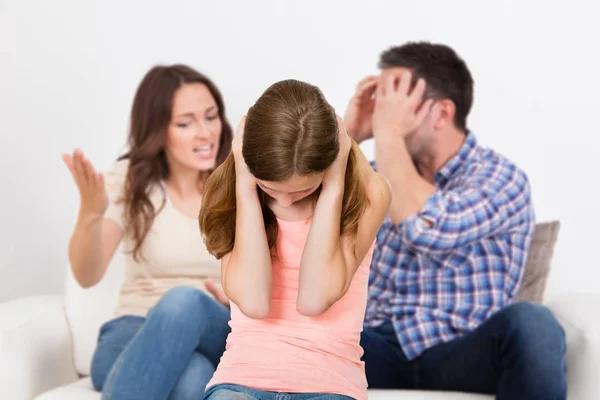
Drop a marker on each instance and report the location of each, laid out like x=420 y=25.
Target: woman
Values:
x=293 y=214
x=153 y=349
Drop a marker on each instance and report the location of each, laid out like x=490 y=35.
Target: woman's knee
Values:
x=98 y=375
x=180 y=301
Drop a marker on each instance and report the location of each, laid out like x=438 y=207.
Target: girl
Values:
x=154 y=349
x=293 y=214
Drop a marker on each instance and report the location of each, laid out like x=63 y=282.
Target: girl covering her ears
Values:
x=293 y=213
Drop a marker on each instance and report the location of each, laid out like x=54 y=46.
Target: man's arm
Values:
x=330 y=261
x=409 y=190
x=434 y=220
x=399 y=111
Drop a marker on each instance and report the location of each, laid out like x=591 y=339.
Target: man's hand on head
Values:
x=398 y=110
x=359 y=112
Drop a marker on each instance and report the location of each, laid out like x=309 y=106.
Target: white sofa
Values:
x=46 y=344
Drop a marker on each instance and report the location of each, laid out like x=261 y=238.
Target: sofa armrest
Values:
x=35 y=347
x=578 y=314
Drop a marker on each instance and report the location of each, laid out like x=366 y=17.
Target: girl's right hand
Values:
x=92 y=190
x=242 y=175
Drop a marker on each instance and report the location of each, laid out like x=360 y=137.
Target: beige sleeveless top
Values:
x=173 y=253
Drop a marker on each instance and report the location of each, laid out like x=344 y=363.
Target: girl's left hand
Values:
x=335 y=174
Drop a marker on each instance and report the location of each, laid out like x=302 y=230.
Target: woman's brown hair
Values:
x=290 y=130
x=150 y=117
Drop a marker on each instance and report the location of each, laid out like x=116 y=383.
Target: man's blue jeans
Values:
x=519 y=353
x=171 y=354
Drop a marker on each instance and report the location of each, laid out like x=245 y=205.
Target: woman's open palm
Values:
x=92 y=190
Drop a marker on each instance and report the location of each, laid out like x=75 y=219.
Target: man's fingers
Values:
x=405 y=81
x=368 y=92
x=417 y=93
x=368 y=86
x=386 y=86
x=366 y=82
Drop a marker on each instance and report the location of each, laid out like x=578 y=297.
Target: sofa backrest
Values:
x=88 y=309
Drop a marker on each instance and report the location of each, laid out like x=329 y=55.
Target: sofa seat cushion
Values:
x=79 y=390
x=83 y=390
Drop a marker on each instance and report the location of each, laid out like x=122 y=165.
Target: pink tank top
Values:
x=292 y=353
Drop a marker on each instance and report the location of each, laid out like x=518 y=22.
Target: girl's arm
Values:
x=330 y=261
x=246 y=271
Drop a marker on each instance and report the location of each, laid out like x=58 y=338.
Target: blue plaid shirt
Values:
x=439 y=279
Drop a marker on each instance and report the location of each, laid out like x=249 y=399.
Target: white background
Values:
x=69 y=69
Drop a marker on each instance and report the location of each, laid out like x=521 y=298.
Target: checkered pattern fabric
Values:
x=444 y=271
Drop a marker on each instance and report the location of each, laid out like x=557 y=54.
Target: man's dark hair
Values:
x=445 y=73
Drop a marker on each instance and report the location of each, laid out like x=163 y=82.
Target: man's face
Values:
x=421 y=140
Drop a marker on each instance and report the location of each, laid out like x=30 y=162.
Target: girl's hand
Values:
x=244 y=179
x=335 y=174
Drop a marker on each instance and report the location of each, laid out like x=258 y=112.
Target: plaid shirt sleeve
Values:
x=486 y=204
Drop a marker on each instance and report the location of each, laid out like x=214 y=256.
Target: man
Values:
x=451 y=253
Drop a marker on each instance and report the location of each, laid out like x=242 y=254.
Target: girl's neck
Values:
x=300 y=211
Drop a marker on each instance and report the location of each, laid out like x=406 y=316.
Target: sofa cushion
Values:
x=82 y=390
x=424 y=395
x=537 y=269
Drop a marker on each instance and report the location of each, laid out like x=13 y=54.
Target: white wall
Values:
x=68 y=71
